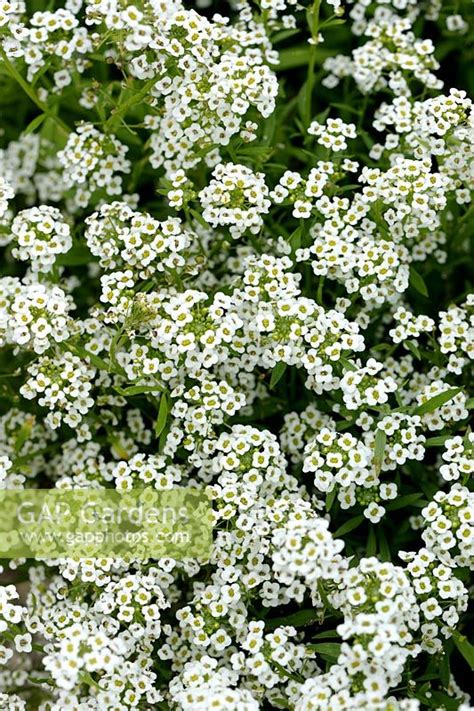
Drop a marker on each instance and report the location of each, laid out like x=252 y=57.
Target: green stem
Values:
x=313 y=23
x=16 y=76
x=122 y=109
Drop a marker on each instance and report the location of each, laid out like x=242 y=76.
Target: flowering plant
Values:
x=235 y=256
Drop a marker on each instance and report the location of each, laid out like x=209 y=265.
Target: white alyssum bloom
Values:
x=367 y=385
x=6 y=194
x=410 y=326
x=125 y=238
x=92 y=163
x=454 y=410
x=33 y=315
x=448 y=523
x=333 y=133
x=236 y=197
x=39 y=235
x=456 y=334
x=392 y=52
x=62 y=385
x=458 y=457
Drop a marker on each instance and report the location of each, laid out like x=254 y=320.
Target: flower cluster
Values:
x=63 y=385
x=124 y=238
x=91 y=163
x=441 y=596
x=333 y=133
x=449 y=527
x=39 y=235
x=6 y=194
x=235 y=197
x=459 y=458
x=52 y=39
x=33 y=315
x=392 y=57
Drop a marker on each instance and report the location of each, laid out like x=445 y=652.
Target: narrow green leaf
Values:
x=345 y=424
x=437 y=401
x=346 y=107
x=299 y=57
x=162 y=415
x=33 y=125
x=383 y=545
x=349 y=525
x=333 y=23
x=138 y=389
x=98 y=362
x=371 y=547
x=465 y=648
x=417 y=282
x=444 y=670
x=295 y=238
x=327 y=650
x=296 y=619
x=348 y=365
x=89 y=680
x=283 y=35
x=402 y=501
x=277 y=374
x=330 y=499
x=79 y=255
x=413 y=348
x=329 y=634
x=437 y=441
x=380 y=442
x=199 y=218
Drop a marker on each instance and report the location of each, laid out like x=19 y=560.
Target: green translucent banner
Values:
x=93 y=523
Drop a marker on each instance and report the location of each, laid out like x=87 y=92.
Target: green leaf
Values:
x=413 y=348
x=437 y=441
x=162 y=415
x=327 y=650
x=33 y=125
x=138 y=389
x=297 y=619
x=346 y=107
x=199 y=218
x=437 y=401
x=329 y=634
x=295 y=238
x=402 y=501
x=345 y=424
x=348 y=365
x=24 y=432
x=465 y=648
x=299 y=57
x=442 y=700
x=444 y=670
x=79 y=255
x=330 y=499
x=277 y=374
x=98 y=362
x=417 y=282
x=283 y=35
x=349 y=525
x=261 y=152
x=88 y=679
x=333 y=22
x=371 y=547
x=383 y=545
x=380 y=442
